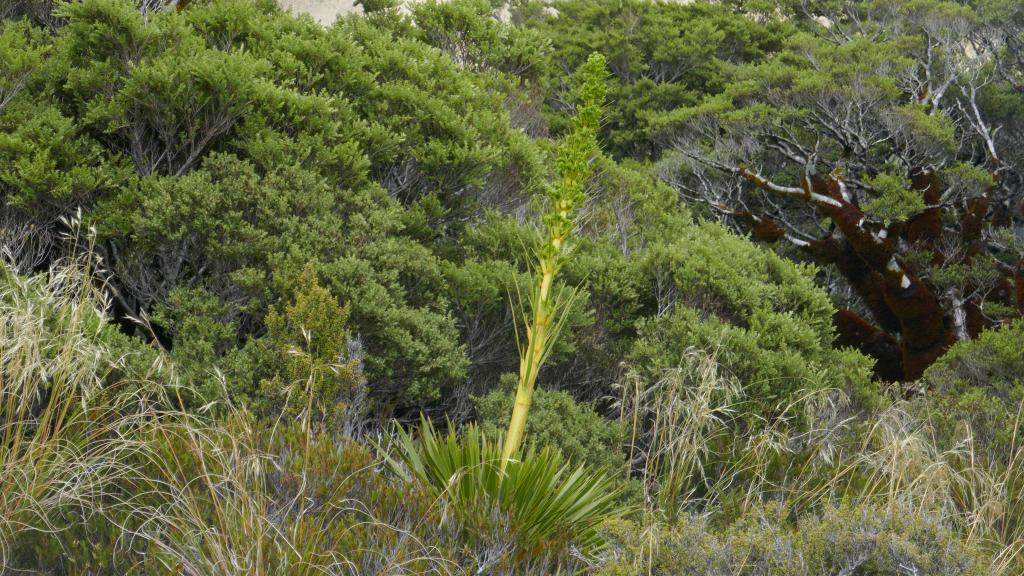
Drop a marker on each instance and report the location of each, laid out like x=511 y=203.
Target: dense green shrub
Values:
x=472 y=35
x=366 y=149
x=557 y=420
x=979 y=384
x=662 y=55
x=993 y=362
x=760 y=316
x=222 y=167
x=313 y=375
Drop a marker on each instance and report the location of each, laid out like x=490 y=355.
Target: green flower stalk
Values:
x=564 y=197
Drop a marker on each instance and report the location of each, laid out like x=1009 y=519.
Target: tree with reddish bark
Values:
x=884 y=143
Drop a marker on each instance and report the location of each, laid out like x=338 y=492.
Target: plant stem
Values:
x=529 y=366
x=574 y=157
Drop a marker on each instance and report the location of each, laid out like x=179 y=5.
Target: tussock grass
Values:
x=82 y=441
x=901 y=464
x=67 y=434
x=238 y=497
x=697 y=457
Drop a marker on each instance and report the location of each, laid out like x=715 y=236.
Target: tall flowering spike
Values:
x=580 y=146
x=565 y=196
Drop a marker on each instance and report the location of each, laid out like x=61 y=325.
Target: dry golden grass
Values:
x=683 y=423
x=67 y=435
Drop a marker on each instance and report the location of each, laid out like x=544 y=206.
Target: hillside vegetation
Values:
x=604 y=287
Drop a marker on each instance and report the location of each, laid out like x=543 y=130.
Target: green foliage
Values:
x=581 y=434
x=762 y=317
x=313 y=376
x=980 y=385
x=49 y=165
x=194 y=319
x=993 y=361
x=259 y=142
x=895 y=200
x=371 y=6
x=22 y=50
x=661 y=55
x=550 y=503
x=444 y=132
x=933 y=135
x=221 y=148
x=967 y=180
x=471 y=34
